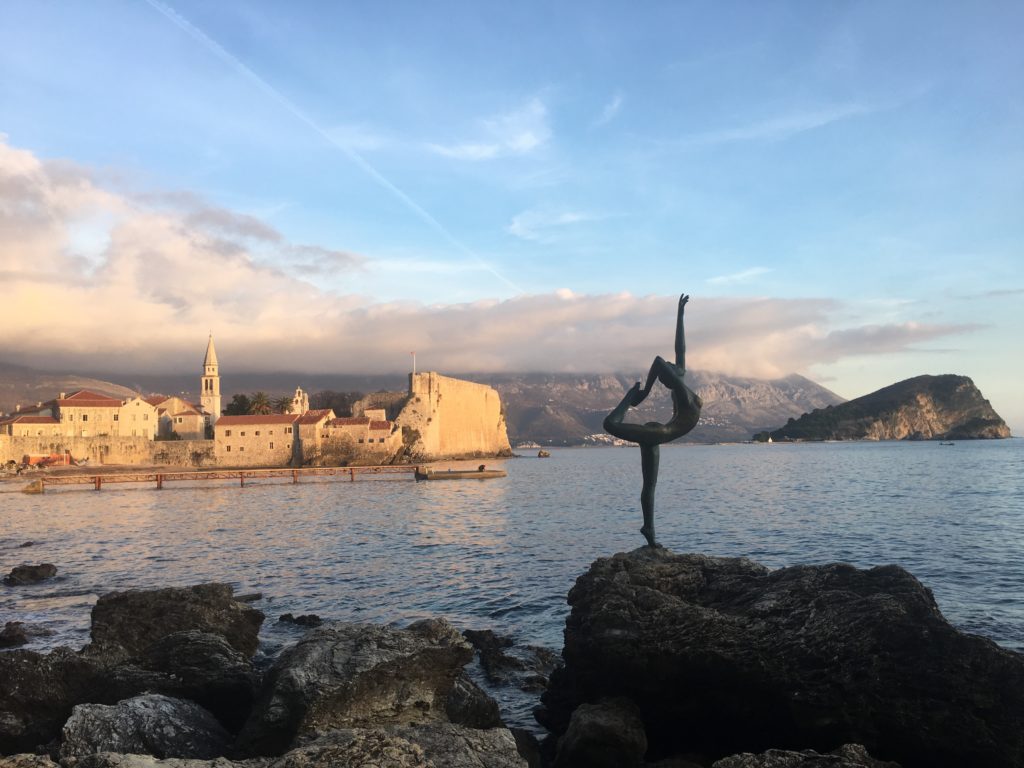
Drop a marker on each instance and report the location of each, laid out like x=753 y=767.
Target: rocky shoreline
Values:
x=673 y=661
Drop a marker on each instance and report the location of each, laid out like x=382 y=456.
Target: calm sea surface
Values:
x=502 y=554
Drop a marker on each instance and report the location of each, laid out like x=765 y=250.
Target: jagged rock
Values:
x=37 y=692
x=440 y=745
x=436 y=745
x=30 y=574
x=130 y=622
x=806 y=657
x=305 y=620
x=847 y=756
x=470 y=705
x=151 y=725
x=344 y=675
x=609 y=734
x=13 y=634
x=27 y=761
x=526 y=667
x=208 y=671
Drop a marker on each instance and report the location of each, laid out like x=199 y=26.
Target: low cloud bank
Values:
x=92 y=279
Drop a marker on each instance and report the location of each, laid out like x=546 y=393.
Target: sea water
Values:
x=502 y=554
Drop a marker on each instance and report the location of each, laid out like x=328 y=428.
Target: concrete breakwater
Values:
x=680 y=660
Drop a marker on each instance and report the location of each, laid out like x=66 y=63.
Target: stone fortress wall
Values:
x=106 y=449
x=452 y=418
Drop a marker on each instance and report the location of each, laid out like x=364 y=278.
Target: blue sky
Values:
x=840 y=186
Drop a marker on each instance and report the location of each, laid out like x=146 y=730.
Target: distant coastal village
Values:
x=439 y=417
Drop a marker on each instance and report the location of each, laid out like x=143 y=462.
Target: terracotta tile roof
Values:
x=83 y=398
x=22 y=419
x=270 y=418
x=378 y=425
x=26 y=409
x=312 y=417
x=349 y=421
x=185 y=413
x=155 y=400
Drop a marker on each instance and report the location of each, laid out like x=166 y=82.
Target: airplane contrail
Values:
x=352 y=155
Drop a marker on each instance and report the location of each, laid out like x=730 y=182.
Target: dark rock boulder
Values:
x=468 y=704
x=37 y=692
x=207 y=670
x=30 y=574
x=847 y=756
x=13 y=634
x=609 y=734
x=724 y=656
x=27 y=761
x=130 y=622
x=150 y=725
x=304 y=620
x=345 y=675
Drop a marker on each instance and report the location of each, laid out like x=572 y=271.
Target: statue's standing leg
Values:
x=649 y=456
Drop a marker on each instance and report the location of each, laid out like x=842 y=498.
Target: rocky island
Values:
x=946 y=407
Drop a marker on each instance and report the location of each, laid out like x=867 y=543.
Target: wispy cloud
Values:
x=738 y=277
x=779 y=128
x=518 y=132
x=542 y=226
x=610 y=110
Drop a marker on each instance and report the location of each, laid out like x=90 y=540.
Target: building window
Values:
x=227 y=433
x=271 y=446
x=287 y=430
x=85 y=417
x=115 y=417
x=227 y=448
x=242 y=434
x=360 y=439
x=145 y=417
x=241 y=449
x=257 y=433
x=270 y=432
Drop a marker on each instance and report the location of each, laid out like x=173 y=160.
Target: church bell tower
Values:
x=210 y=398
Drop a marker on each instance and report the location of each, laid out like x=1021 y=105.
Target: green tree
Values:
x=259 y=403
x=283 y=404
x=239 y=406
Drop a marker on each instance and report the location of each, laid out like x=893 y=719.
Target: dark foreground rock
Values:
x=847 y=756
x=138 y=647
x=345 y=675
x=150 y=725
x=130 y=622
x=30 y=574
x=723 y=656
x=13 y=634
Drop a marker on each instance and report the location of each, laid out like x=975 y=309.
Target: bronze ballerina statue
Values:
x=686 y=407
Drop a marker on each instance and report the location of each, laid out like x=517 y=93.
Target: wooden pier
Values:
x=97 y=481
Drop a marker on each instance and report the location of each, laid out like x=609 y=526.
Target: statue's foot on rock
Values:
x=649 y=535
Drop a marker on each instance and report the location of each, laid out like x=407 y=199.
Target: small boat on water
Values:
x=480 y=473
x=947 y=443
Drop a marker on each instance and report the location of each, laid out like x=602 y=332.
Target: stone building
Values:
x=269 y=440
x=26 y=425
x=177 y=416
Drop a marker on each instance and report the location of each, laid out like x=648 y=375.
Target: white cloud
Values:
x=543 y=226
x=164 y=277
x=611 y=109
x=779 y=128
x=738 y=277
x=518 y=132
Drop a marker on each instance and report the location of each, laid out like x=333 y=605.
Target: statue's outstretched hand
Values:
x=636 y=395
x=682 y=300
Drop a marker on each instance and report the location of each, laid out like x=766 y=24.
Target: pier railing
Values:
x=159 y=478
